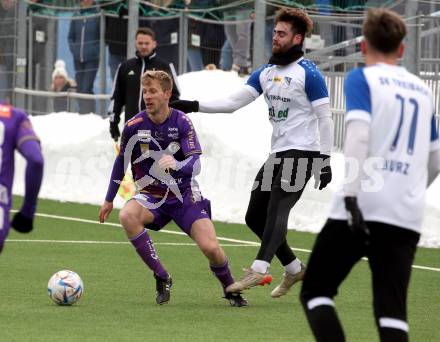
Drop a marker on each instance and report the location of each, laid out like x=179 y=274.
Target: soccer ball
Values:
x=65 y=287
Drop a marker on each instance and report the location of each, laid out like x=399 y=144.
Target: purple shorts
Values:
x=194 y=207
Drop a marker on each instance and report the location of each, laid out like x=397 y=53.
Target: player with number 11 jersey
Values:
x=399 y=108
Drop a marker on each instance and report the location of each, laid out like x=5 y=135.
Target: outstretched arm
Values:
x=250 y=92
x=230 y=104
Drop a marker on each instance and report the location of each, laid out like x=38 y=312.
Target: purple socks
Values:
x=223 y=274
x=145 y=249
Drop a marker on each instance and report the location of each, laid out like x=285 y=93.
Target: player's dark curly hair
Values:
x=300 y=21
x=384 y=30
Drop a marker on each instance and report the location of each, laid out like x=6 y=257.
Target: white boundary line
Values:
x=91 y=242
x=75 y=219
x=243 y=242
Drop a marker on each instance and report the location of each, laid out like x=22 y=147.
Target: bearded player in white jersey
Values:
x=390 y=123
x=298 y=108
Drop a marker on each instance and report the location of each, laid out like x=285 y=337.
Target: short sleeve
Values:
x=315 y=87
x=357 y=96
x=254 y=79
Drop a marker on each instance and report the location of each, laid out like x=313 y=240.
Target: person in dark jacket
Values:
x=127 y=90
x=84 y=44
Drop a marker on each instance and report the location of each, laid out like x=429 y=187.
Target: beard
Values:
x=283 y=46
x=287 y=56
x=280 y=49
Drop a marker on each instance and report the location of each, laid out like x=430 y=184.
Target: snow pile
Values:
x=79 y=155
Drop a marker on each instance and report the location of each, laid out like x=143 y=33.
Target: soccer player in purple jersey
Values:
x=16 y=133
x=164 y=151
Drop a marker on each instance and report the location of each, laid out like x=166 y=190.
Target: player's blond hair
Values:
x=165 y=80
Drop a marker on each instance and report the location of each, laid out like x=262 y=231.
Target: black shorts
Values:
x=288 y=170
x=390 y=255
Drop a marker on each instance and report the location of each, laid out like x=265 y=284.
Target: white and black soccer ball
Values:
x=65 y=287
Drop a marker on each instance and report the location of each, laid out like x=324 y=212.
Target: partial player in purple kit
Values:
x=16 y=133
x=162 y=147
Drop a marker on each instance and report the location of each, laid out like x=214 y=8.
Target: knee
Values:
x=128 y=219
x=252 y=220
x=212 y=249
x=248 y=220
x=213 y=252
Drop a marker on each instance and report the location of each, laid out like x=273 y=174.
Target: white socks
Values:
x=294 y=267
x=260 y=266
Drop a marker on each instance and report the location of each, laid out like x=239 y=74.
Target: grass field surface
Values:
x=118 y=302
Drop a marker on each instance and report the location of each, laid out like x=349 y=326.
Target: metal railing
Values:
x=39 y=102
x=334 y=81
x=338 y=32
